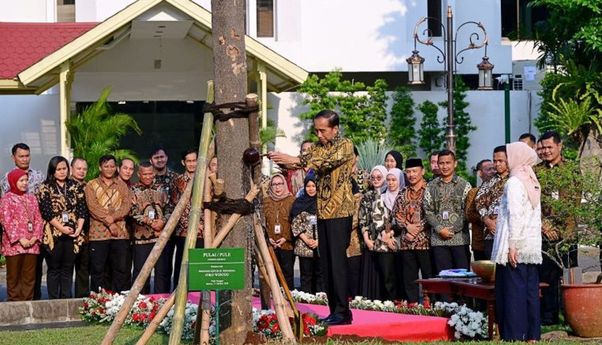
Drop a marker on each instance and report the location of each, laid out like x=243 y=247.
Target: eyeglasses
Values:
x=278 y=184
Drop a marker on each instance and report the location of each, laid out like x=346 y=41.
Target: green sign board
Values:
x=216 y=269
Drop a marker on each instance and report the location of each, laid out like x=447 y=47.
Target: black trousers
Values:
x=37 y=285
x=479 y=255
x=162 y=278
x=448 y=257
x=354 y=273
x=61 y=261
x=414 y=261
x=387 y=268
x=311 y=275
x=286 y=260
x=550 y=273
x=488 y=244
x=517 y=302
x=116 y=253
x=334 y=235
x=82 y=271
x=178 y=243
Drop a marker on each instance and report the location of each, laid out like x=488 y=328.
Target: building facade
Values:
x=364 y=41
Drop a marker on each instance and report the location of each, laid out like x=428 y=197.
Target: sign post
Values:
x=214 y=269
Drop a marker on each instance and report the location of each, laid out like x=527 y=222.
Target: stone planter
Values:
x=583 y=308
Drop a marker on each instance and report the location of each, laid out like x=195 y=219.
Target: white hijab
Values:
x=389 y=196
x=383 y=171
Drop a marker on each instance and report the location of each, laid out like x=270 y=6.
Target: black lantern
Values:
x=485 y=74
x=415 y=69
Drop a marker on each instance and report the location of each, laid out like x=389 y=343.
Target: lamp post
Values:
x=450 y=58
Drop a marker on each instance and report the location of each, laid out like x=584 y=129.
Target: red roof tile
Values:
x=24 y=44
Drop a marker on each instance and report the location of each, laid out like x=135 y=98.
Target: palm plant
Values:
x=577 y=116
x=372 y=153
x=96 y=131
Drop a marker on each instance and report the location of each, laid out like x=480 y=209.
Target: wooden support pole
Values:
x=279 y=308
x=193 y=223
x=147 y=268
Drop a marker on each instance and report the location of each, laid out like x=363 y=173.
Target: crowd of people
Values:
x=99 y=231
x=405 y=227
x=355 y=232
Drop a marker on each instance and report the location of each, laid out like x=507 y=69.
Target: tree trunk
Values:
x=232 y=138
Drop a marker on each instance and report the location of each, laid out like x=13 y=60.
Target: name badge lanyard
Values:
x=314 y=221
x=67 y=203
x=27 y=213
x=277 y=229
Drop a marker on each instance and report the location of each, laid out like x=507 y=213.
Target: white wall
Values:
x=27 y=11
x=184 y=72
x=353 y=35
x=33 y=120
x=377 y=36
x=98 y=10
x=485 y=107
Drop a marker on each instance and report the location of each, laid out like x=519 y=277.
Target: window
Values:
x=434 y=11
x=519 y=19
x=65 y=10
x=265 y=18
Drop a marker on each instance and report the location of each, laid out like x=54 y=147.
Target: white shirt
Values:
x=518 y=226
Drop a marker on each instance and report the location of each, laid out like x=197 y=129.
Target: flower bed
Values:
x=467 y=323
x=265 y=322
x=103 y=306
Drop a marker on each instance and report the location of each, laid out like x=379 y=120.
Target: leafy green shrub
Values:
x=96 y=131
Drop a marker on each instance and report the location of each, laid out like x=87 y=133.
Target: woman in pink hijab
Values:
x=517 y=249
x=22 y=222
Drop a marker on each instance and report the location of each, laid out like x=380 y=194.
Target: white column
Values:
x=65 y=82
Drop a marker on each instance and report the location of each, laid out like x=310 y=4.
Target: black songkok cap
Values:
x=414 y=162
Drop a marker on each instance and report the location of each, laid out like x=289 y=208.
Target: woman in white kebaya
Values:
x=517 y=249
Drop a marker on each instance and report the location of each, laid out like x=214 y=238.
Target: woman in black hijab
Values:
x=304 y=229
x=394 y=159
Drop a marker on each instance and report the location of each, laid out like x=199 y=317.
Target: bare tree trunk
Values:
x=232 y=138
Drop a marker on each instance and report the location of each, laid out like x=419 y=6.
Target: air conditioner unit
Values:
x=526 y=75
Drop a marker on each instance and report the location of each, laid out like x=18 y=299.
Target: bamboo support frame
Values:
x=279 y=308
x=146 y=269
x=194 y=218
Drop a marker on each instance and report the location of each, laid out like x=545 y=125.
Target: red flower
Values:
x=142 y=305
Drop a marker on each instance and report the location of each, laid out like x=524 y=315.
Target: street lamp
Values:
x=450 y=58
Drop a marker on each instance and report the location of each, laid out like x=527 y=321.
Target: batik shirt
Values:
x=66 y=205
x=374 y=218
x=302 y=225
x=566 y=225
x=178 y=186
x=16 y=213
x=333 y=164
x=444 y=208
x=408 y=207
x=355 y=247
x=473 y=217
x=112 y=200
x=148 y=203
x=36 y=177
x=489 y=197
x=166 y=180
x=277 y=214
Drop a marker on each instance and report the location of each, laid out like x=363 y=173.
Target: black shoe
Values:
x=340 y=319
x=326 y=319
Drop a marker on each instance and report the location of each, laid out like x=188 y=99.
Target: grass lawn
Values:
x=86 y=335
x=94 y=334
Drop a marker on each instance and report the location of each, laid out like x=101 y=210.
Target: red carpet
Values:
x=388 y=326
